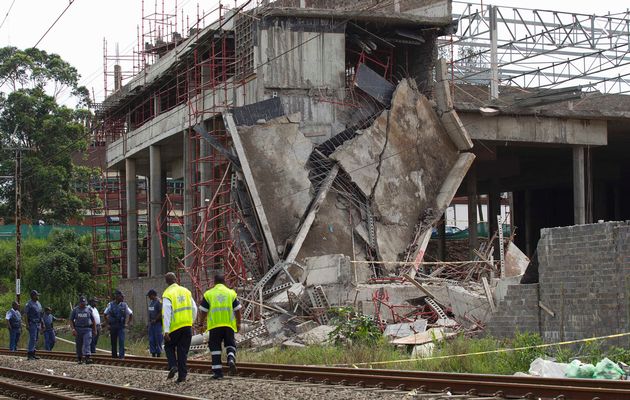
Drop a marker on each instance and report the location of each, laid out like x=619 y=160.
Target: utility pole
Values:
x=18 y=222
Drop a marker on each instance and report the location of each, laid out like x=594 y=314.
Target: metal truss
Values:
x=538 y=48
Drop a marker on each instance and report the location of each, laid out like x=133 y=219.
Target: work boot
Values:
x=79 y=360
x=35 y=356
x=171 y=373
x=232 y=365
x=217 y=376
x=88 y=360
x=30 y=356
x=180 y=380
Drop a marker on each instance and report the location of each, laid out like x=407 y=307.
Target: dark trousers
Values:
x=14 y=338
x=95 y=339
x=176 y=350
x=217 y=336
x=33 y=336
x=49 y=339
x=83 y=342
x=155 y=339
x=118 y=341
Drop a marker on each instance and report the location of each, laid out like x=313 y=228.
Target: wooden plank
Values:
x=251 y=185
x=486 y=288
x=546 y=309
x=418 y=285
x=311 y=213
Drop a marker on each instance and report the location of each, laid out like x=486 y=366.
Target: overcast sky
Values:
x=78 y=35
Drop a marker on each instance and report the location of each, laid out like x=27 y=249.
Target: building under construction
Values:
x=320 y=142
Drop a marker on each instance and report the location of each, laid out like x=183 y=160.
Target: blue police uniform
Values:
x=49 y=332
x=33 y=312
x=155 y=328
x=116 y=315
x=83 y=321
x=14 y=319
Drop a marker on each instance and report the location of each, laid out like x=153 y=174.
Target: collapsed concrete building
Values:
x=318 y=145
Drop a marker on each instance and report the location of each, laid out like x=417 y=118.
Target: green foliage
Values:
x=353 y=327
x=30 y=117
x=59 y=267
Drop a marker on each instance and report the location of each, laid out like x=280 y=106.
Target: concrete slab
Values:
x=328 y=269
x=277 y=153
x=318 y=335
x=467 y=304
x=516 y=261
x=405 y=329
x=424 y=337
x=390 y=163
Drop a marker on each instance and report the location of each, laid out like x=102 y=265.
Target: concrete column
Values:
x=442 y=238
x=529 y=249
x=132 y=218
x=579 y=190
x=158 y=265
x=189 y=180
x=471 y=188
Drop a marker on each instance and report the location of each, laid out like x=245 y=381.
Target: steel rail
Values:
x=487 y=385
x=77 y=385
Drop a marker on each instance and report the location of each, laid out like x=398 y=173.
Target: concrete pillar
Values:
x=579 y=190
x=189 y=180
x=132 y=218
x=529 y=249
x=158 y=264
x=494 y=209
x=442 y=238
x=471 y=189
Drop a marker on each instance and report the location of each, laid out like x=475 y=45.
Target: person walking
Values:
x=155 y=324
x=14 y=321
x=33 y=314
x=83 y=327
x=93 y=305
x=221 y=308
x=118 y=316
x=178 y=313
x=50 y=337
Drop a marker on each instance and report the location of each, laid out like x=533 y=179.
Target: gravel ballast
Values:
x=197 y=385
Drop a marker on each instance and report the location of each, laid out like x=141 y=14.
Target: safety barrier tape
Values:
x=478 y=353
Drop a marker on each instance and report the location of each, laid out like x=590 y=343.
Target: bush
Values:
x=353 y=327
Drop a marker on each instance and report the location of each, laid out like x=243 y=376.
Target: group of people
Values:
x=170 y=325
x=84 y=320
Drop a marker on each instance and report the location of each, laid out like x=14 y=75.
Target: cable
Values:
x=53 y=24
x=7 y=14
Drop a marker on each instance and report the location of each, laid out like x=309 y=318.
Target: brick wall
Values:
x=518 y=311
x=584 y=279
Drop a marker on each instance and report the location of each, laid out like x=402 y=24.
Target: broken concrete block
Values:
x=500 y=290
x=516 y=261
x=283 y=298
x=276 y=324
x=424 y=337
x=305 y=326
x=468 y=304
x=328 y=269
x=317 y=335
x=291 y=343
x=423 y=350
x=405 y=329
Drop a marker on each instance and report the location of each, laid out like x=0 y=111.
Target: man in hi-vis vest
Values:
x=178 y=313
x=223 y=310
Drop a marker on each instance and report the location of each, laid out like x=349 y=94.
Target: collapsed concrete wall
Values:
x=584 y=287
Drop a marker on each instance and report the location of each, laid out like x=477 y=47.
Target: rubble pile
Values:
x=346 y=222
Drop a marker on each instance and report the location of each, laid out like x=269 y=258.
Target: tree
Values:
x=31 y=117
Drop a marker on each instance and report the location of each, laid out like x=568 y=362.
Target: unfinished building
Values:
x=318 y=143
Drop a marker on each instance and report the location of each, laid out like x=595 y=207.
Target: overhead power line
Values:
x=7 y=14
x=53 y=24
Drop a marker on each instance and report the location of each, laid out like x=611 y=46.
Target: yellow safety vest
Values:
x=181 y=303
x=220 y=311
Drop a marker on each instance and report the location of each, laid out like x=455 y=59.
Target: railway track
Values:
x=470 y=385
x=18 y=384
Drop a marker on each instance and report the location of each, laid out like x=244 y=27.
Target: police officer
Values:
x=14 y=321
x=223 y=311
x=83 y=327
x=33 y=314
x=178 y=313
x=155 y=324
x=97 y=321
x=50 y=337
x=116 y=315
